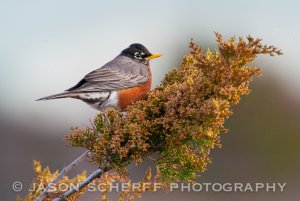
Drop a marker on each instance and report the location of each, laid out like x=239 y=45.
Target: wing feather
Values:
x=119 y=73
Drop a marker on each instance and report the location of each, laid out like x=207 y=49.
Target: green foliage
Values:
x=183 y=117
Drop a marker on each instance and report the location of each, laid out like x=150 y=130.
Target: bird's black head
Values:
x=139 y=53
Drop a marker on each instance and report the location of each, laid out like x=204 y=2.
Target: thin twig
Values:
x=81 y=185
x=97 y=173
x=63 y=172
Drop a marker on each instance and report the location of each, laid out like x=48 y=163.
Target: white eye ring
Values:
x=138 y=55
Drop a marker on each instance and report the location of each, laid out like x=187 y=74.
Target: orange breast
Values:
x=129 y=96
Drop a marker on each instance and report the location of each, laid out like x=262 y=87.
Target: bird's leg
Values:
x=107 y=124
x=105 y=119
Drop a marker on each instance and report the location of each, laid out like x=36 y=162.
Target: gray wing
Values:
x=120 y=73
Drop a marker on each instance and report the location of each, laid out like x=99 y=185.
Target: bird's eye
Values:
x=138 y=55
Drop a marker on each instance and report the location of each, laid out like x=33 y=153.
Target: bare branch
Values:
x=96 y=174
x=81 y=185
x=64 y=171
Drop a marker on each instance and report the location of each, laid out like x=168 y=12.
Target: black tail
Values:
x=60 y=95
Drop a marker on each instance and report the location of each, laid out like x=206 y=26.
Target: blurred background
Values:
x=48 y=46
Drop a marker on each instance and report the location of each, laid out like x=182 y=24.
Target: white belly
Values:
x=100 y=100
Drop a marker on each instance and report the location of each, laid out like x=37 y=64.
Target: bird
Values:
x=119 y=83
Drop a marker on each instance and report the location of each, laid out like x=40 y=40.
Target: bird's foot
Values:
x=123 y=115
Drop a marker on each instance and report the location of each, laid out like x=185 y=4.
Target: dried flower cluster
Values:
x=131 y=190
x=103 y=185
x=44 y=177
x=183 y=117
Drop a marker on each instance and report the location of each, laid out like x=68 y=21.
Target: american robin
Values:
x=119 y=83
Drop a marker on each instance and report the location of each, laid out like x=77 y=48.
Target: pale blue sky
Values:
x=46 y=46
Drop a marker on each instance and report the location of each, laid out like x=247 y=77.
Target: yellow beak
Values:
x=153 y=56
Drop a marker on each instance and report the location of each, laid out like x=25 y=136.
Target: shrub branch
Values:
x=62 y=173
x=81 y=185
